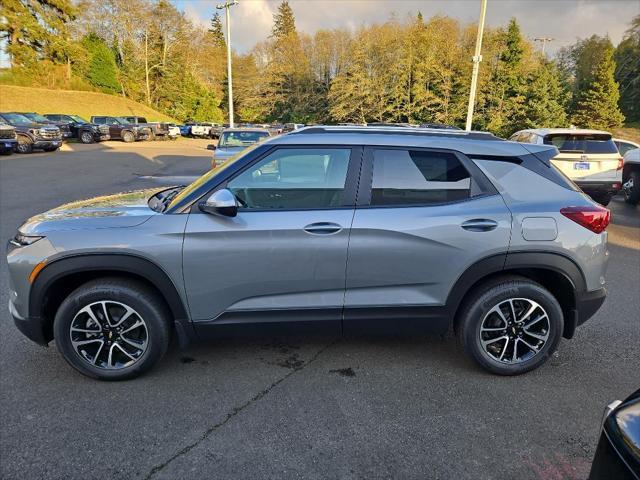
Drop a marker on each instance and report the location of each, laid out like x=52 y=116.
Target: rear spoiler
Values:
x=544 y=153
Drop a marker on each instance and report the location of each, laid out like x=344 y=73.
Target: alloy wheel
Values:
x=515 y=330
x=109 y=335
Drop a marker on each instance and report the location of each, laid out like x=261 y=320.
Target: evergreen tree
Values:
x=627 y=57
x=284 y=23
x=597 y=106
x=545 y=99
x=102 y=71
x=217 y=35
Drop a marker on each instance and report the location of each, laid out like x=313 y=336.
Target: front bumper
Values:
x=8 y=145
x=41 y=144
x=32 y=328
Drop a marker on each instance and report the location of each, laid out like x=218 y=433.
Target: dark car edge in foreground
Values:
x=326 y=229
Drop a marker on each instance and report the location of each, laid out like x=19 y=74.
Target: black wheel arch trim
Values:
x=118 y=262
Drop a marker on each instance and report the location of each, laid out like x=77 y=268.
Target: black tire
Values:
x=480 y=303
x=86 y=137
x=128 y=137
x=25 y=144
x=633 y=197
x=148 y=306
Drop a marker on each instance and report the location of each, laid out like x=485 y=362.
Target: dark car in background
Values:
x=8 y=140
x=65 y=131
x=32 y=135
x=618 y=452
x=156 y=129
x=81 y=129
x=121 y=129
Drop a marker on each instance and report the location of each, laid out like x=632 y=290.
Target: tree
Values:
x=37 y=30
x=102 y=71
x=627 y=57
x=217 y=35
x=284 y=23
x=546 y=99
x=598 y=94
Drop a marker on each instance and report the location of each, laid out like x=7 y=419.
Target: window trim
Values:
x=351 y=182
x=366 y=177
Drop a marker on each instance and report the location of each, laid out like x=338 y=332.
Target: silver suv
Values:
x=332 y=229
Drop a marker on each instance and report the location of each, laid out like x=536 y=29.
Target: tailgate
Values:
x=587 y=167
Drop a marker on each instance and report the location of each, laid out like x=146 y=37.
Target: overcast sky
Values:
x=564 y=20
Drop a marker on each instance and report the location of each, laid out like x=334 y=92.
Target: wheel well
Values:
x=558 y=285
x=627 y=169
x=63 y=287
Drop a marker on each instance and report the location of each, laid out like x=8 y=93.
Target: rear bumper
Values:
x=600 y=188
x=588 y=303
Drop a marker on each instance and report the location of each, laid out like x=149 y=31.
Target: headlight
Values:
x=21 y=240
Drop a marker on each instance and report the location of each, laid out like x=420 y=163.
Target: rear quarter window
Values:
x=582 y=143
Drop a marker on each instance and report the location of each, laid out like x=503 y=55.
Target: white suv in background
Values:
x=588 y=157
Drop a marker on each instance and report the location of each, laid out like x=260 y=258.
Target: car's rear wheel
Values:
x=25 y=145
x=510 y=325
x=86 y=137
x=112 y=328
x=632 y=188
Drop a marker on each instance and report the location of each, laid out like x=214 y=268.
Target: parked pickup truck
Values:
x=37 y=118
x=33 y=135
x=81 y=129
x=199 y=129
x=156 y=129
x=121 y=129
x=8 y=139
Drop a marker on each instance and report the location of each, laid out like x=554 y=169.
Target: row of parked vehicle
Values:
x=215 y=130
x=24 y=132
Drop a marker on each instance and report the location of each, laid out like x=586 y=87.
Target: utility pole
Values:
x=477 y=58
x=226 y=7
x=544 y=41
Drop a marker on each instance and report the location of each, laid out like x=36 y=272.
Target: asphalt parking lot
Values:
x=292 y=407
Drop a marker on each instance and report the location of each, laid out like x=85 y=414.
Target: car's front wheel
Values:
x=25 y=145
x=112 y=328
x=86 y=137
x=128 y=137
x=510 y=325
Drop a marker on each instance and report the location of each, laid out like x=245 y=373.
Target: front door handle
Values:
x=480 y=225
x=322 y=228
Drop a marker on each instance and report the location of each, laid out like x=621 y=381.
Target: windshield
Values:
x=241 y=139
x=36 y=117
x=16 y=119
x=583 y=143
x=78 y=119
x=208 y=176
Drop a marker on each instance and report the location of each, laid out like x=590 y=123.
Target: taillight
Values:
x=594 y=218
x=620 y=164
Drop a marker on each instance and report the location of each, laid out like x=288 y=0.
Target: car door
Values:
x=423 y=218
x=283 y=257
x=115 y=129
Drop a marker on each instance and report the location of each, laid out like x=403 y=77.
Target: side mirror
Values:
x=221 y=202
x=211 y=146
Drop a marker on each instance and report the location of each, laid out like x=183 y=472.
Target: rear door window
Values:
x=582 y=143
x=417 y=177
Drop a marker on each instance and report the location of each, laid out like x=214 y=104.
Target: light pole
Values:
x=226 y=7
x=477 y=58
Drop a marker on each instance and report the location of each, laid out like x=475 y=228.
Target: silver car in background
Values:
x=326 y=229
x=233 y=140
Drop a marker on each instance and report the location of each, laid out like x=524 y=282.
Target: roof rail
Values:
x=427 y=132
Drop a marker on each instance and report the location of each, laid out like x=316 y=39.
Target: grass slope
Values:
x=85 y=104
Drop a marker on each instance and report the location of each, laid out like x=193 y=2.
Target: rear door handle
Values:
x=480 y=225
x=322 y=228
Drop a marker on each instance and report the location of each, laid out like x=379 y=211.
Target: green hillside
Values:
x=85 y=104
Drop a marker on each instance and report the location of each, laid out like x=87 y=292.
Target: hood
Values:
x=110 y=211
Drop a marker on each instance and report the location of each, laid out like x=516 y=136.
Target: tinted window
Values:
x=413 y=177
x=294 y=178
x=582 y=143
x=16 y=119
x=99 y=120
x=624 y=147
